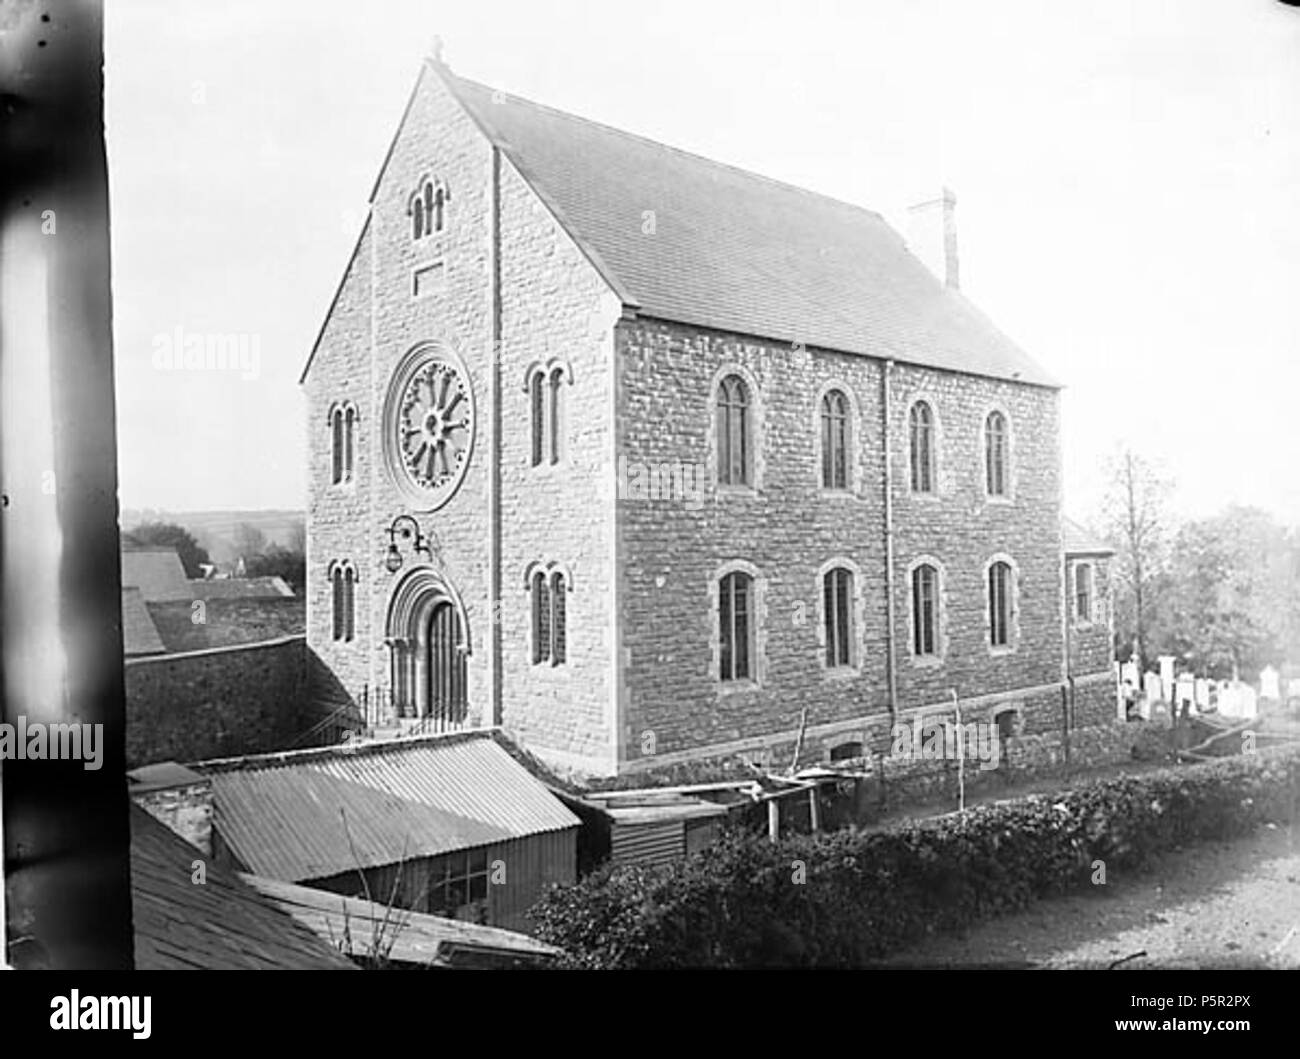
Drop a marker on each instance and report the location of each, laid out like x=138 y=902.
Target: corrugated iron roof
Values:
x=417 y=937
x=317 y=813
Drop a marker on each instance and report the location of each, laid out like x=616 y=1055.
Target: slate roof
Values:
x=736 y=251
x=732 y=250
x=1078 y=541
x=282 y=815
x=139 y=633
x=157 y=573
x=223 y=924
x=240 y=588
x=417 y=937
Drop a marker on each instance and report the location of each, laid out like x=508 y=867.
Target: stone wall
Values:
x=217 y=703
x=556 y=312
x=788 y=529
x=1091 y=636
x=186 y=809
x=554 y=309
x=1023 y=759
x=227 y=622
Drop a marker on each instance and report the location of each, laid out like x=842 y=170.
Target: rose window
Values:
x=430 y=426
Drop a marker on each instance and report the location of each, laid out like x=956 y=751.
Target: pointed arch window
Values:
x=1000 y=589
x=837 y=615
x=544 y=385
x=556 y=412
x=995 y=454
x=549 y=587
x=925 y=611
x=349 y=442
x=343 y=581
x=428 y=208
x=343 y=422
x=734 y=432
x=835 y=440
x=922 y=447
x=736 y=626
x=1083 y=592
x=559 y=622
x=336 y=446
x=541 y=618
x=336 y=584
x=537 y=401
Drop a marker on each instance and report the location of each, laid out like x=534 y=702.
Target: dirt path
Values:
x=1231 y=904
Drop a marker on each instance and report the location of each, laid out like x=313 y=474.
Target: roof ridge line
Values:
x=784 y=184
x=352 y=749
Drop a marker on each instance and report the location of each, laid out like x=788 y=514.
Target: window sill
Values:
x=741 y=491
x=1006 y=649
x=840 y=673
x=927 y=661
x=995 y=500
x=738 y=687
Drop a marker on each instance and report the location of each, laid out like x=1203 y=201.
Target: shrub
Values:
x=838 y=899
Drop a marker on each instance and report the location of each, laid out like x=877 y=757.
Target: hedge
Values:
x=843 y=898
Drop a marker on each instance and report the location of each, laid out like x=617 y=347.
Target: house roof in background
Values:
x=157 y=573
x=1078 y=541
x=240 y=588
x=139 y=634
x=162 y=775
x=316 y=813
x=224 y=924
x=417 y=938
x=229 y=622
x=736 y=251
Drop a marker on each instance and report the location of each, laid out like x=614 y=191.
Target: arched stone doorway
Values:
x=428 y=639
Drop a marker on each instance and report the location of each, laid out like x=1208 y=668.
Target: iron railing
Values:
x=381 y=709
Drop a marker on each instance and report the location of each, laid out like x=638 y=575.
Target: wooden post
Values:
x=773 y=820
x=961 y=756
x=1065 y=720
x=814 y=810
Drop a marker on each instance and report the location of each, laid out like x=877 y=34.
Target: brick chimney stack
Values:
x=932 y=236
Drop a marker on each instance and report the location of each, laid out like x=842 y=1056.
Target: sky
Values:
x=1126 y=175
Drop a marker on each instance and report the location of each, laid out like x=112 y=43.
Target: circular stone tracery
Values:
x=429 y=426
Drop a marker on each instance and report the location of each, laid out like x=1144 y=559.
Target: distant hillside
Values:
x=215 y=530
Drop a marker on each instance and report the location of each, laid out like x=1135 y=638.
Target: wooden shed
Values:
x=659 y=831
x=447 y=824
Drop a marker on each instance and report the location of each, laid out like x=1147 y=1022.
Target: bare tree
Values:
x=249 y=541
x=296 y=539
x=1137 y=519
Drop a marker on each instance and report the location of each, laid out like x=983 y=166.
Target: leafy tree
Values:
x=1233 y=591
x=277 y=561
x=170 y=535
